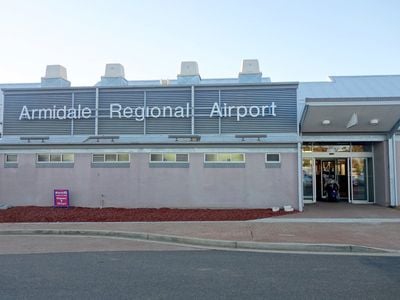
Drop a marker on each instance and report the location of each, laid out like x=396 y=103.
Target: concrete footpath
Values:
x=377 y=230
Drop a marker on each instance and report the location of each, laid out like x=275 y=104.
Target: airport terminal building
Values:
x=244 y=142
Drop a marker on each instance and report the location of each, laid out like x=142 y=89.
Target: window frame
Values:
x=49 y=161
x=162 y=161
x=6 y=161
x=117 y=161
x=225 y=161
x=272 y=162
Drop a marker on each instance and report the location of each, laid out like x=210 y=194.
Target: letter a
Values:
x=24 y=113
x=216 y=110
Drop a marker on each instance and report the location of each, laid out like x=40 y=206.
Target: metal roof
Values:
x=337 y=87
x=211 y=81
x=351 y=86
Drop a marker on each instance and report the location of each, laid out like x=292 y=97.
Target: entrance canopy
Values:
x=351 y=115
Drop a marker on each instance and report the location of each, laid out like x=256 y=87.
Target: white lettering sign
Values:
x=55 y=113
x=242 y=111
x=139 y=113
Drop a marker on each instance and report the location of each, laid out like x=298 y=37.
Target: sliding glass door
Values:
x=308 y=180
x=362 y=180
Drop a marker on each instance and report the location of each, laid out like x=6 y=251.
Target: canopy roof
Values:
x=351 y=115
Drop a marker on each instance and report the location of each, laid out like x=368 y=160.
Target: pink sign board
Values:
x=61 y=198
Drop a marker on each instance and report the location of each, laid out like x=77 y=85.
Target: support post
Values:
x=300 y=176
x=96 y=120
x=392 y=170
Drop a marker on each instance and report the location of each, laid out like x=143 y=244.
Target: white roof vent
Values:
x=56 y=71
x=250 y=72
x=56 y=76
x=250 y=66
x=114 y=76
x=189 y=68
x=189 y=73
x=114 y=70
x=164 y=82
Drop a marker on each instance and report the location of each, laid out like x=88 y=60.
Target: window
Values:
x=110 y=158
x=361 y=147
x=55 y=158
x=224 y=158
x=11 y=158
x=272 y=158
x=169 y=157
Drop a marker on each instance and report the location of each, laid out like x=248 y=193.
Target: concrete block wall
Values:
x=139 y=185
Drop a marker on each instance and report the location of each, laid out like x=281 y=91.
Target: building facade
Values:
x=244 y=142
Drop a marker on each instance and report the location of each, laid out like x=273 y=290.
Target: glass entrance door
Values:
x=354 y=177
x=342 y=178
x=328 y=174
x=350 y=166
x=329 y=171
x=308 y=180
x=359 y=180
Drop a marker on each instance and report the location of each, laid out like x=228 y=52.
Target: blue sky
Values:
x=293 y=40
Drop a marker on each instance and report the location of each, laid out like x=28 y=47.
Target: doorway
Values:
x=332 y=169
x=350 y=165
x=354 y=176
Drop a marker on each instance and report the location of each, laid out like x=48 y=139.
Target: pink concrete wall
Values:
x=141 y=186
x=381 y=169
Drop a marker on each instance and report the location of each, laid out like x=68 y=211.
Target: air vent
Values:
x=56 y=76
x=114 y=76
x=250 y=71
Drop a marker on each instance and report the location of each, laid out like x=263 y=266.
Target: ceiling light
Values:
x=374 y=121
x=326 y=122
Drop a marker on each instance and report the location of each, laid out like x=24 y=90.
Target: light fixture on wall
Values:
x=374 y=122
x=326 y=122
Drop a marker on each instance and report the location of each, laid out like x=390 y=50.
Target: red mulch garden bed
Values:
x=84 y=214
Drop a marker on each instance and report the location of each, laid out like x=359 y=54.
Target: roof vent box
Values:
x=114 y=76
x=189 y=68
x=56 y=76
x=56 y=71
x=189 y=73
x=114 y=70
x=250 y=71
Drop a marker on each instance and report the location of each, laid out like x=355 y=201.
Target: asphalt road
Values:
x=197 y=275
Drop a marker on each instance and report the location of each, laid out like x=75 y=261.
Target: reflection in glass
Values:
x=98 y=157
x=11 y=158
x=319 y=148
x=358 y=179
x=68 y=157
x=224 y=157
x=123 y=157
x=211 y=157
x=182 y=157
x=273 y=157
x=155 y=157
x=307 y=179
x=55 y=157
x=169 y=157
x=43 y=157
x=237 y=157
x=111 y=157
x=361 y=147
